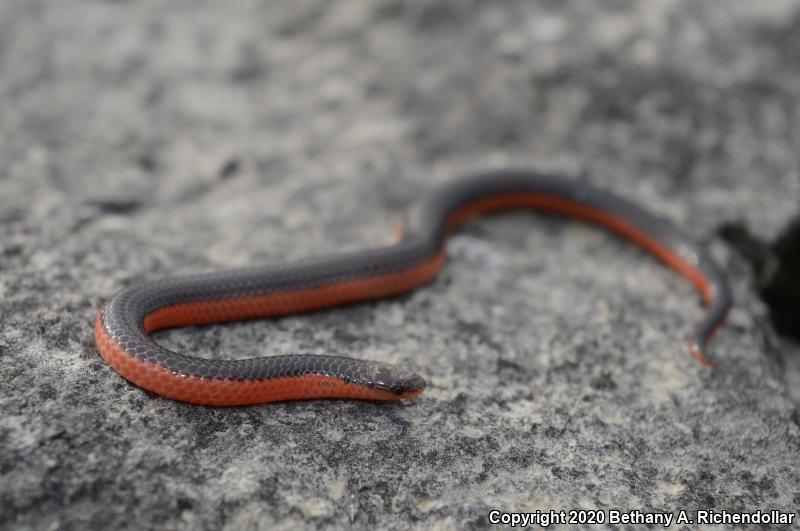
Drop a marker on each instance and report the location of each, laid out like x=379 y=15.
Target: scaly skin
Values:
x=125 y=322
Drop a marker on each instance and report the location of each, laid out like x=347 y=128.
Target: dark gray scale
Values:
x=428 y=219
x=124 y=314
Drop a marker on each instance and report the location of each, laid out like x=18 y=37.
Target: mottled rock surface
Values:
x=142 y=139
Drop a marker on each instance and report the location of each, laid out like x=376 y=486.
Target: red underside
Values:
x=230 y=392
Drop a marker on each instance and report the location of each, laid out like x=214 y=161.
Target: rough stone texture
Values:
x=143 y=139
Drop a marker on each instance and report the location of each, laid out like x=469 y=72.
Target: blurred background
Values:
x=143 y=139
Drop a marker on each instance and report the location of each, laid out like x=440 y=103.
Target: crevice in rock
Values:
x=776 y=271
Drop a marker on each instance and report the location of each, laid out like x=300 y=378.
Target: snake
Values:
x=125 y=323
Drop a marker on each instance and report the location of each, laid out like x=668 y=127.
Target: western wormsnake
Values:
x=125 y=322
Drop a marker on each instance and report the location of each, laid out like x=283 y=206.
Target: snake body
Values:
x=125 y=322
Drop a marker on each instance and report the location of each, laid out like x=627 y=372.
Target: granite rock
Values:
x=144 y=139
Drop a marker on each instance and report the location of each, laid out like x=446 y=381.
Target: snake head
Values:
x=390 y=378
